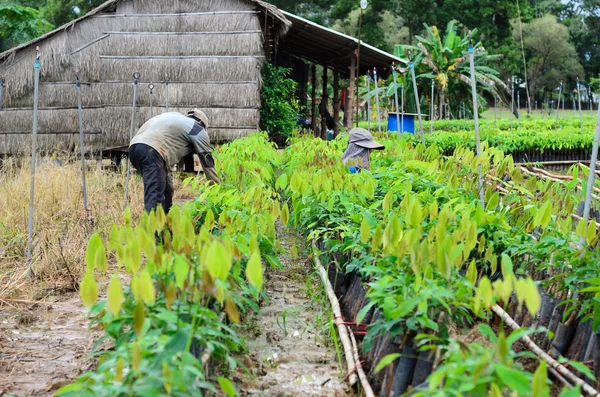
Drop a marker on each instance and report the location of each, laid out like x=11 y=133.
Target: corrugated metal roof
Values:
x=322 y=45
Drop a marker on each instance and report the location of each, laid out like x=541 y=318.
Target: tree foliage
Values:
x=279 y=110
x=550 y=56
x=19 y=24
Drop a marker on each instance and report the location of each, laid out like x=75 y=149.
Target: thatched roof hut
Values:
x=201 y=53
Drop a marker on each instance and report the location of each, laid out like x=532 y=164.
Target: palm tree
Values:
x=448 y=62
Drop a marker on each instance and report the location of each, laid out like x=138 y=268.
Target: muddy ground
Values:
x=291 y=352
x=43 y=346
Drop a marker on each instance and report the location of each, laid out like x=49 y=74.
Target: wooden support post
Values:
x=350 y=102
x=323 y=106
x=336 y=103
x=313 y=113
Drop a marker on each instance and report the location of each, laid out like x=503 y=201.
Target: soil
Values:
x=294 y=359
x=43 y=346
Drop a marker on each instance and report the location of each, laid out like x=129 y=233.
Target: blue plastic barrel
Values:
x=395 y=122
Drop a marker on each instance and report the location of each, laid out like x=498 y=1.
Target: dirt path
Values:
x=288 y=353
x=43 y=348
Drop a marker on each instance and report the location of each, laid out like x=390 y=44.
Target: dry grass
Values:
x=61 y=226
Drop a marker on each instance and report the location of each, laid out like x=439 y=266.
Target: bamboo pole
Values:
x=338 y=319
x=336 y=103
x=579 y=102
x=418 y=105
x=431 y=102
x=376 y=81
x=350 y=103
x=562 y=370
x=36 y=67
x=369 y=100
x=151 y=87
x=402 y=107
x=364 y=381
x=313 y=96
x=136 y=78
x=81 y=140
x=324 y=100
x=476 y=117
x=167 y=95
x=558 y=102
x=592 y=172
x=396 y=99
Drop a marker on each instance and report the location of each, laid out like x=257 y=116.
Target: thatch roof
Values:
x=109 y=5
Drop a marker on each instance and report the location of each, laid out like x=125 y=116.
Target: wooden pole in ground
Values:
x=592 y=175
x=81 y=140
x=558 y=102
x=431 y=102
x=324 y=100
x=368 y=100
x=36 y=67
x=336 y=103
x=579 y=101
x=350 y=103
x=136 y=78
x=313 y=95
x=416 y=90
x=476 y=117
x=376 y=81
x=396 y=99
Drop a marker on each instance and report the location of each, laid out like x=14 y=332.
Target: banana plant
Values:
x=445 y=60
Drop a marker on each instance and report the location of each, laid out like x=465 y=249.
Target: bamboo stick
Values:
x=337 y=313
x=361 y=373
x=562 y=370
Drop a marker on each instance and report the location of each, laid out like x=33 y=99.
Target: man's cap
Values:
x=363 y=138
x=199 y=114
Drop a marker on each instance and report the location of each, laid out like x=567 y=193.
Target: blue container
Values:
x=395 y=122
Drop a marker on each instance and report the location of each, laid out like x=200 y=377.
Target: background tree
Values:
x=550 y=55
x=19 y=24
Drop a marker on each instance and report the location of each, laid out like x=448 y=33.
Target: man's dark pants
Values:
x=158 y=187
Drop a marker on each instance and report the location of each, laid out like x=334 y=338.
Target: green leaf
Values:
x=227 y=386
x=254 y=271
x=147 y=291
x=139 y=316
x=583 y=369
x=115 y=295
x=591 y=232
x=581 y=228
x=88 y=290
x=493 y=202
x=472 y=273
x=513 y=379
x=92 y=250
x=388 y=200
x=533 y=300
x=281 y=182
x=540 y=381
x=285 y=214
x=181 y=268
x=365 y=230
x=385 y=361
x=547 y=214
x=568 y=392
x=219 y=261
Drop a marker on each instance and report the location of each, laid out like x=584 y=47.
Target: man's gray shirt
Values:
x=174 y=136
